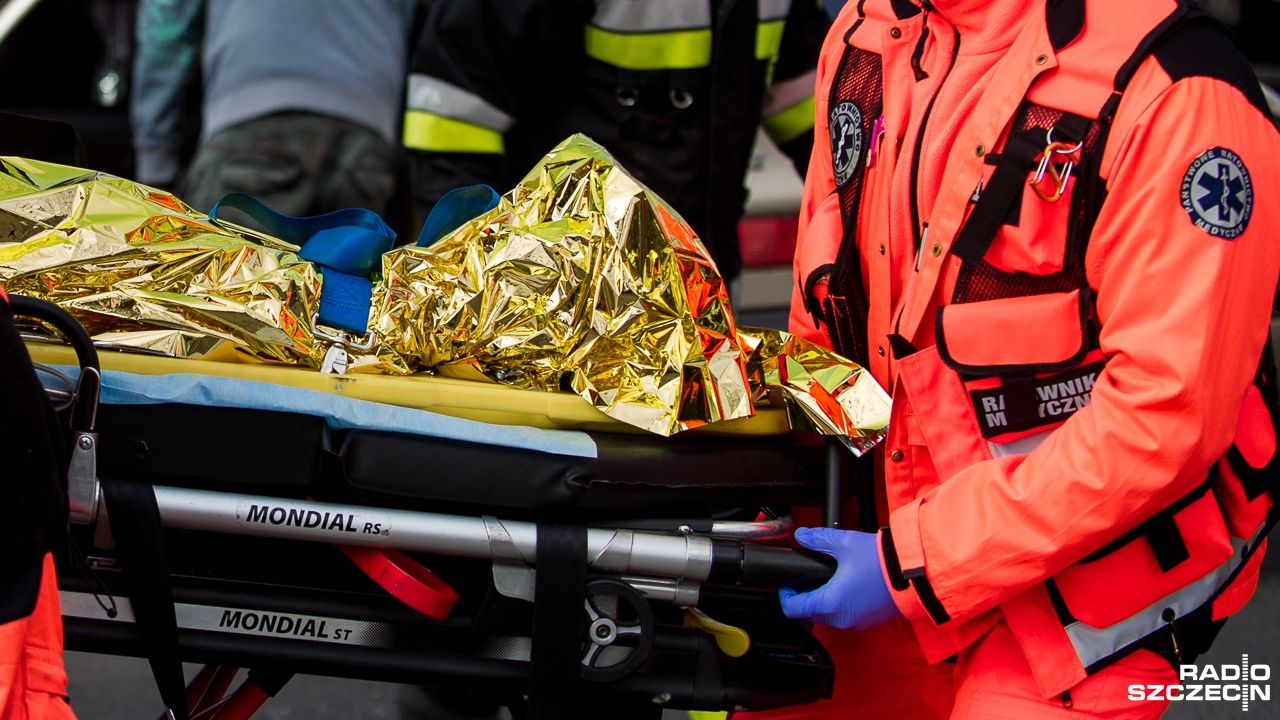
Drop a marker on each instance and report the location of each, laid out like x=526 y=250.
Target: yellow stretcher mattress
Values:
x=484 y=402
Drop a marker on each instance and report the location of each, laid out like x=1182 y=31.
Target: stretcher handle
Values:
x=773 y=566
x=61 y=320
x=85 y=410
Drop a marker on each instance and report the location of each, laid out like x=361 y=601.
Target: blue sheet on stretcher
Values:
x=341 y=413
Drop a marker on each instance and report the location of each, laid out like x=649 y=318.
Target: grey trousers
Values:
x=297 y=163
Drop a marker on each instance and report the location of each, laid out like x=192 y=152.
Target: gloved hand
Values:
x=857 y=596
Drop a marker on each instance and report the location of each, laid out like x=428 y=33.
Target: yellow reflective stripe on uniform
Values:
x=669 y=50
x=436 y=133
x=769 y=39
x=785 y=126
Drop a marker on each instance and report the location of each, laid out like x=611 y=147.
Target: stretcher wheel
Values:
x=619 y=630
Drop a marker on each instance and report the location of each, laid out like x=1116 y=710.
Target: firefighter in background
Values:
x=299 y=105
x=674 y=89
x=1050 y=229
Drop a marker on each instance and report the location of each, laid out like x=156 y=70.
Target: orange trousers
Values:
x=33 y=682
x=881 y=674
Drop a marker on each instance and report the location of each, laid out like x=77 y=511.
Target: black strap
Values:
x=270 y=681
x=1166 y=542
x=1004 y=188
x=902 y=348
x=929 y=599
x=558 y=622
x=996 y=202
x=135 y=526
x=892 y=566
x=1257 y=480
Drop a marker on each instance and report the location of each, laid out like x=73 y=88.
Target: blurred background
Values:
x=70 y=60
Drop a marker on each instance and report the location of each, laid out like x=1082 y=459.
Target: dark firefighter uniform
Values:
x=674 y=89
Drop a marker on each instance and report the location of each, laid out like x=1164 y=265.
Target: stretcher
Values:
x=521 y=543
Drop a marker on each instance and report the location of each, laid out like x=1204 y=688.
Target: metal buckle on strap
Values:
x=336 y=357
x=1059 y=169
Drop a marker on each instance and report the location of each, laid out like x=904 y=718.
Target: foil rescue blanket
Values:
x=580 y=280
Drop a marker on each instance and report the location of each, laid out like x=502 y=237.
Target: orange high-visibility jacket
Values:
x=1067 y=375
x=33 y=683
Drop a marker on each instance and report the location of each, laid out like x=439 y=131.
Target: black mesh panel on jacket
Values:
x=856 y=96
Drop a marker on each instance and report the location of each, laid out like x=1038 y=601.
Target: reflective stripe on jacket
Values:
x=1045 y=411
x=675 y=89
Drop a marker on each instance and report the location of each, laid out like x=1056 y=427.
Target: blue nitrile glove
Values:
x=857 y=596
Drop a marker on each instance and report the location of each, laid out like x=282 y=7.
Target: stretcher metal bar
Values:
x=619 y=552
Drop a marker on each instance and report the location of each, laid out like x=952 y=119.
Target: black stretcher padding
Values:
x=214 y=448
x=279 y=453
x=631 y=473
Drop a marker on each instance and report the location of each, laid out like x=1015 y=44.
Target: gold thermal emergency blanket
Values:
x=580 y=280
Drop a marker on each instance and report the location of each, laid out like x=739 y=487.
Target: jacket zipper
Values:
x=921 y=230
x=916 y=226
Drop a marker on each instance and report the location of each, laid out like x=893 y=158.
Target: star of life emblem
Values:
x=1217 y=193
x=846 y=140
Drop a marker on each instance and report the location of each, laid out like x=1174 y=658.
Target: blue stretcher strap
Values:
x=347 y=245
x=455 y=208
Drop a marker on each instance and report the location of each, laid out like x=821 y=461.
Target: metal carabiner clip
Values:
x=1061 y=172
x=336 y=357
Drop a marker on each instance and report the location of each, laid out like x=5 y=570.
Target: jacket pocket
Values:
x=1173 y=549
x=1015 y=337
x=1032 y=236
x=945 y=430
x=1245 y=475
x=1033 y=239
x=1027 y=363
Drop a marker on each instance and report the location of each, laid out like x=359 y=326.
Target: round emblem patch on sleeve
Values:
x=1217 y=193
x=846 y=140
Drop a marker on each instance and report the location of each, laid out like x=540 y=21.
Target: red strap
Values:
x=242 y=703
x=406 y=580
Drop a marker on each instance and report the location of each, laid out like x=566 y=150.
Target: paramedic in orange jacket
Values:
x=1061 y=262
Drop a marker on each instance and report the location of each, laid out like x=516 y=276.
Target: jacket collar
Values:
x=991 y=25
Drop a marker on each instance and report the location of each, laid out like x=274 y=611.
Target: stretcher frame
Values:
x=680 y=568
